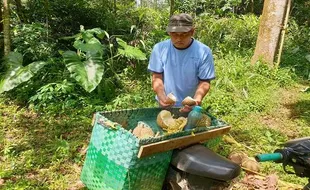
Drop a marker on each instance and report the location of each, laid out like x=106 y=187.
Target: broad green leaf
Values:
x=308 y=57
x=93 y=45
x=14 y=60
x=87 y=73
x=130 y=51
x=99 y=32
x=18 y=74
x=87 y=36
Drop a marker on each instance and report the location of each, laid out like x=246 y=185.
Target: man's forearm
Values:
x=202 y=90
x=158 y=86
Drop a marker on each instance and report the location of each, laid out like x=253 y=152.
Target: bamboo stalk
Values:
x=283 y=32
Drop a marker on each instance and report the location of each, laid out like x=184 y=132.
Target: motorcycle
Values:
x=199 y=168
x=296 y=153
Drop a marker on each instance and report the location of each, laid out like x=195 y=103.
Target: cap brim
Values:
x=179 y=28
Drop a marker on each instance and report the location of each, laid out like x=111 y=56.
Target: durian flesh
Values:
x=166 y=121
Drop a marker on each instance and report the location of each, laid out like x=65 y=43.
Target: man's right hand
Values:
x=164 y=102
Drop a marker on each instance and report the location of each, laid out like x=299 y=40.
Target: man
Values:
x=181 y=65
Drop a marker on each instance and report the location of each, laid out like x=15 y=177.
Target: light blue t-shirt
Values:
x=182 y=69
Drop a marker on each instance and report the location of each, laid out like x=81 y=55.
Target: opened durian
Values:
x=166 y=121
x=180 y=124
x=143 y=131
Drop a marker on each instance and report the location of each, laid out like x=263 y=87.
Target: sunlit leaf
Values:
x=130 y=51
x=308 y=57
x=14 y=60
x=87 y=73
x=18 y=74
x=93 y=45
x=99 y=32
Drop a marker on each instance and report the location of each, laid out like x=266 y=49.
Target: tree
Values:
x=171 y=7
x=270 y=28
x=6 y=27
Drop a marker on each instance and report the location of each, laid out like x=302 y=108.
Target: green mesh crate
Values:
x=111 y=161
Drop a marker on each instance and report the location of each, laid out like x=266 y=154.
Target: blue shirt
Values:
x=182 y=69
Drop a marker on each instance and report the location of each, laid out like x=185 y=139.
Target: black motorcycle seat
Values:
x=200 y=160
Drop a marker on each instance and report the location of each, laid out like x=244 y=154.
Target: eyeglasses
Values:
x=180 y=34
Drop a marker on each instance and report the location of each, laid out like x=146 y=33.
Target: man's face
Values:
x=181 y=39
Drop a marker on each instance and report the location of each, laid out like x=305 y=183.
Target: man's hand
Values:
x=164 y=102
x=202 y=90
x=187 y=108
x=158 y=87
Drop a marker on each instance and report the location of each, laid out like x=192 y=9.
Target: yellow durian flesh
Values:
x=166 y=121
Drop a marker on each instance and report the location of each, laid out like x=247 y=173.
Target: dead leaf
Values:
x=272 y=180
x=262 y=183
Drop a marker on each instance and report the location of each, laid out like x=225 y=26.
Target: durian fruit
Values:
x=171 y=98
x=143 y=131
x=250 y=164
x=189 y=101
x=165 y=119
x=237 y=157
x=205 y=121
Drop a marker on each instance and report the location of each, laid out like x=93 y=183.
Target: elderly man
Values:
x=181 y=65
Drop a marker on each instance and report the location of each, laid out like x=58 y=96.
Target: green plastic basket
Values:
x=111 y=161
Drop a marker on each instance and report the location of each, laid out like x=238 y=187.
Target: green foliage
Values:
x=130 y=52
x=53 y=93
x=136 y=95
x=300 y=11
x=148 y=26
x=239 y=89
x=87 y=66
x=17 y=73
x=33 y=41
x=296 y=54
x=185 y=6
x=220 y=8
x=224 y=35
x=64 y=17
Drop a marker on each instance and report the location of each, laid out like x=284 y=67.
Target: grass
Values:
x=39 y=151
x=264 y=132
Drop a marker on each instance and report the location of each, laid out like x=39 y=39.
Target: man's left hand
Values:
x=187 y=108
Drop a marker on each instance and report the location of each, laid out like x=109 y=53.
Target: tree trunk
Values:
x=270 y=27
x=171 y=7
x=6 y=27
x=251 y=5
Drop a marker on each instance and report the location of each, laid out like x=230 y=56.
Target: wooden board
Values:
x=166 y=145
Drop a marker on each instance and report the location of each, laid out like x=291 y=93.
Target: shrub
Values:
x=236 y=34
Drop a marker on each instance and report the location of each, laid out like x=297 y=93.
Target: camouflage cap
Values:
x=180 y=23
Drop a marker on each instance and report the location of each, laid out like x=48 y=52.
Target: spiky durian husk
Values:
x=205 y=121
